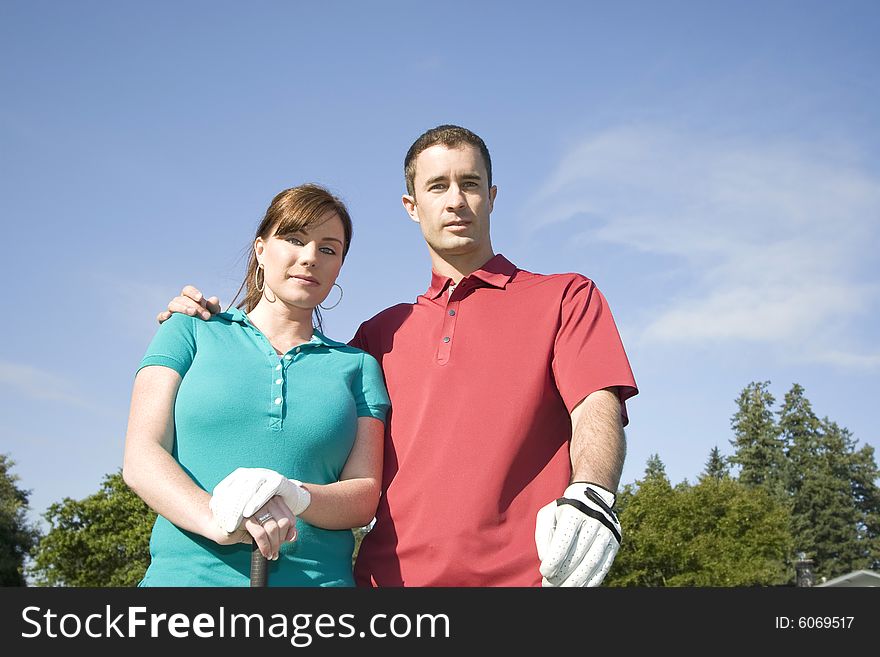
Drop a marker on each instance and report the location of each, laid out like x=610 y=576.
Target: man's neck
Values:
x=457 y=267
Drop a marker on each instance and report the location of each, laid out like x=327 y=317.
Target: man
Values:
x=505 y=443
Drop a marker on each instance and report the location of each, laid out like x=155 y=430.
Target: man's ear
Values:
x=409 y=204
x=493 y=191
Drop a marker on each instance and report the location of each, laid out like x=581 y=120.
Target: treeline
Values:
x=794 y=484
x=802 y=486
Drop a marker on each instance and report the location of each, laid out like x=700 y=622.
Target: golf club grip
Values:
x=259 y=567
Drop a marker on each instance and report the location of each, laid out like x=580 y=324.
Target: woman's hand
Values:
x=271 y=534
x=244 y=490
x=222 y=538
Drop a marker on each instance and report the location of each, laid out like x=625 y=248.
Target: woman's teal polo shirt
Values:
x=242 y=405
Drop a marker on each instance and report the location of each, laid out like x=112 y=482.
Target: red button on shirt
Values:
x=477 y=437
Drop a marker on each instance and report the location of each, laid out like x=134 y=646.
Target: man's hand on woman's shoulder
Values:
x=191 y=302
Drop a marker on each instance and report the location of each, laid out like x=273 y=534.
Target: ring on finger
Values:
x=264 y=518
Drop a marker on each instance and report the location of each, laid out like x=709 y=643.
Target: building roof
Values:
x=855 y=578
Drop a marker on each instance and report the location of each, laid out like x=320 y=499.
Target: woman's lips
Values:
x=304 y=280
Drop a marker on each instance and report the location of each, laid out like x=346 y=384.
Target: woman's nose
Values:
x=308 y=255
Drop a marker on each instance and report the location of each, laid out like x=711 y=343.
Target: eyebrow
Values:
x=303 y=231
x=471 y=175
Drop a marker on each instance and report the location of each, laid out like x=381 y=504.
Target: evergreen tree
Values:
x=655 y=469
x=17 y=535
x=811 y=489
x=716 y=466
x=839 y=528
x=834 y=497
x=866 y=496
x=102 y=540
x=758 y=449
x=800 y=435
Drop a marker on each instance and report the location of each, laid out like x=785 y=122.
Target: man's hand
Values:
x=577 y=536
x=192 y=303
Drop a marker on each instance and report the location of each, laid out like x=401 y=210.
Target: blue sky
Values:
x=713 y=166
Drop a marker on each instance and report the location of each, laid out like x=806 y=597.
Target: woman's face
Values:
x=300 y=268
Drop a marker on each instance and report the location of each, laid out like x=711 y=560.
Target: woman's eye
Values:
x=293 y=240
x=328 y=250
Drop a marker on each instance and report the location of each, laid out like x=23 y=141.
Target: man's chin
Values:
x=456 y=246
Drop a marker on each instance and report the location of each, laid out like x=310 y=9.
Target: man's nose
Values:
x=454 y=198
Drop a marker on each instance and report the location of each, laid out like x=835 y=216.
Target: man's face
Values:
x=452 y=201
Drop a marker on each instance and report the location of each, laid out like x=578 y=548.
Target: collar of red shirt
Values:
x=497 y=272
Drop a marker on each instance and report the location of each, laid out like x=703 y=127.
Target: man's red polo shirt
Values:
x=482 y=383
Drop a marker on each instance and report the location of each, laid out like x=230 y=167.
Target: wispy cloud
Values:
x=775 y=239
x=36 y=383
x=26 y=381
x=131 y=305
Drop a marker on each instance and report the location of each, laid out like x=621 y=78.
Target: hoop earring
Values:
x=335 y=304
x=257 y=283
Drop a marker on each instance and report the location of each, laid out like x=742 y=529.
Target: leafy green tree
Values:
x=102 y=540
x=716 y=466
x=648 y=553
x=737 y=535
x=759 y=450
x=17 y=535
x=718 y=532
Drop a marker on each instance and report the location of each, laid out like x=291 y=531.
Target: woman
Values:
x=259 y=387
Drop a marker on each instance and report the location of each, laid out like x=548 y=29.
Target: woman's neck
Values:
x=284 y=326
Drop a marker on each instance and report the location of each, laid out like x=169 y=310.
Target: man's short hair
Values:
x=450 y=136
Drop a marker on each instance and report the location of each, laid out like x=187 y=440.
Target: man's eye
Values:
x=436 y=188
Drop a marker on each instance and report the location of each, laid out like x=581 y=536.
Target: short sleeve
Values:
x=174 y=344
x=588 y=354
x=359 y=340
x=370 y=393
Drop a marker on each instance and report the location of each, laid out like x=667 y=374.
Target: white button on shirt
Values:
x=277 y=400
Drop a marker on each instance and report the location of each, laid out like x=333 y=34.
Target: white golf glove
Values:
x=577 y=536
x=245 y=490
